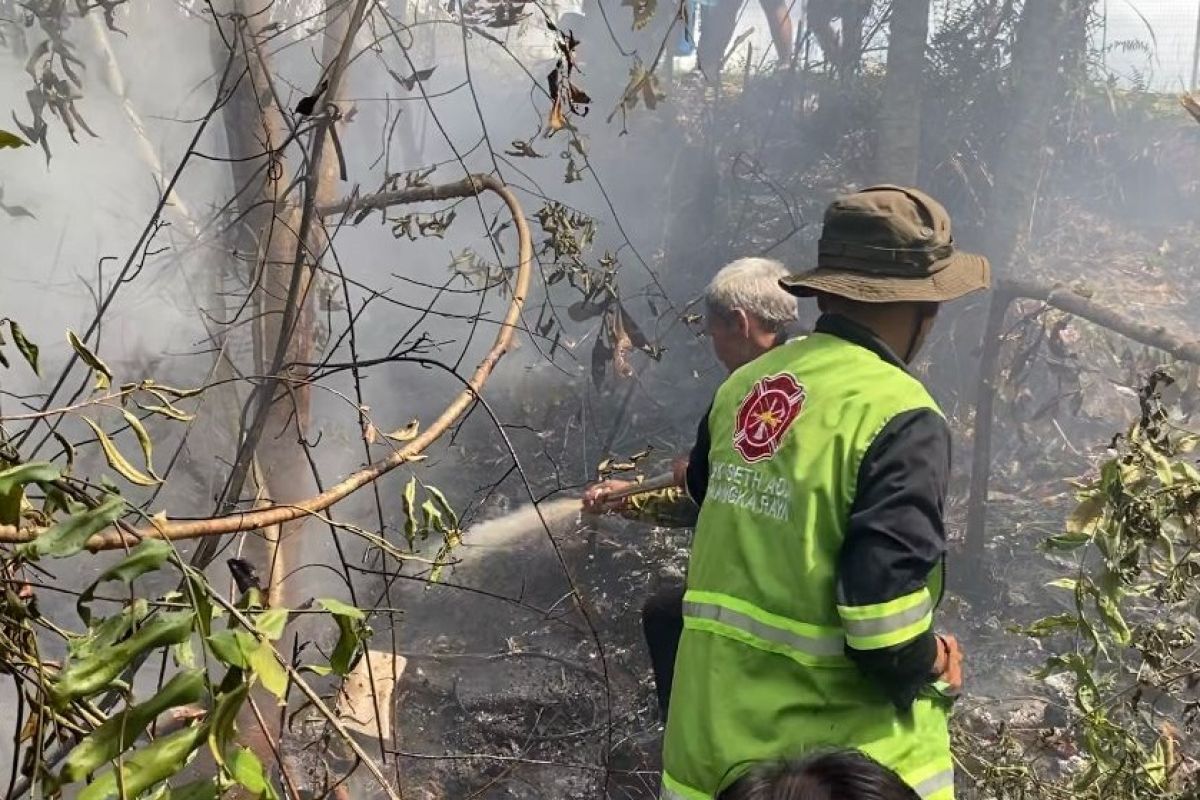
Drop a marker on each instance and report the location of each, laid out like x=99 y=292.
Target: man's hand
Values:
x=947 y=667
x=595 y=497
x=679 y=470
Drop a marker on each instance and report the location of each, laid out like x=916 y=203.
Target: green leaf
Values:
x=109 y=631
x=104 y=375
x=117 y=461
x=247 y=770
x=203 y=789
x=271 y=622
x=1069 y=541
x=184 y=655
x=431 y=518
x=28 y=350
x=1064 y=583
x=334 y=606
x=1052 y=624
x=233 y=647
x=84 y=677
x=1113 y=618
x=351 y=632
x=270 y=672
x=12 y=487
x=118 y=733
x=70 y=535
x=224 y=714
x=443 y=504
x=10 y=139
x=146 y=767
x=148 y=556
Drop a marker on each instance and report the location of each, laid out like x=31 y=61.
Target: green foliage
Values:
x=435 y=516
x=118 y=740
x=1130 y=634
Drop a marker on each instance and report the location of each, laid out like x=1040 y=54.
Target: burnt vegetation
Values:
x=409 y=266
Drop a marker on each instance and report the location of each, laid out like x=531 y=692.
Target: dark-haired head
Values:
x=838 y=775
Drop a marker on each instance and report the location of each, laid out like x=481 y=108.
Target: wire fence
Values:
x=1151 y=42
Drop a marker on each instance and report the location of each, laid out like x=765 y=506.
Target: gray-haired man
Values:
x=747 y=313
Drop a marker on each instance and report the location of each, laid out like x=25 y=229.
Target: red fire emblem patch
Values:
x=765 y=415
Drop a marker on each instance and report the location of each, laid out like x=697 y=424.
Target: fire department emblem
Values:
x=765 y=415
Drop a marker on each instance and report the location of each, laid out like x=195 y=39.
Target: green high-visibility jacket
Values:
x=761 y=672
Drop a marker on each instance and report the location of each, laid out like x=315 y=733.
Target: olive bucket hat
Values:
x=889 y=244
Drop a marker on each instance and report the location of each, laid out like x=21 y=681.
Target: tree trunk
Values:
x=899 y=148
x=1036 y=80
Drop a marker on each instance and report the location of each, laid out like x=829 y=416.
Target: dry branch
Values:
x=1065 y=299
x=114 y=538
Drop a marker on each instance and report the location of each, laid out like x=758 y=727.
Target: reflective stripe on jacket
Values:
x=762 y=671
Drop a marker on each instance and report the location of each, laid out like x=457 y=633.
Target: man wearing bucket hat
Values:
x=817 y=560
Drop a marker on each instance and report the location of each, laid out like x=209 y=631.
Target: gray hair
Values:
x=752 y=284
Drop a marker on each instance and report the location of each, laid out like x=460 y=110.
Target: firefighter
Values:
x=747 y=313
x=817 y=559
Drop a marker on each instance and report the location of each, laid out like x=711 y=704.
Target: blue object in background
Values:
x=686 y=44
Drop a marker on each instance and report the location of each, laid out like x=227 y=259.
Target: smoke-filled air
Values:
x=632 y=399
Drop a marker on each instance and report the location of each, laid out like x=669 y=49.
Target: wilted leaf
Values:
x=409 y=499
x=84 y=677
x=12 y=483
x=144 y=440
x=149 y=555
x=147 y=766
x=28 y=350
x=69 y=536
x=224 y=716
x=443 y=504
x=8 y=139
x=405 y=434
x=117 y=461
x=103 y=373
x=118 y=733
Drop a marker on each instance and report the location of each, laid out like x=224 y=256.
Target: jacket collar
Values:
x=850 y=331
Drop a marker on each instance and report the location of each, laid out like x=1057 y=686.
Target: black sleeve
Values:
x=894 y=539
x=697 y=468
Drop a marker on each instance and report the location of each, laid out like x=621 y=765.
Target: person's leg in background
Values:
x=780 y=22
x=662 y=624
x=718 y=18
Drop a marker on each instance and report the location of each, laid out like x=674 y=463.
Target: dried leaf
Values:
x=117 y=461
x=556 y=120
x=28 y=350
x=8 y=139
x=409 y=499
x=405 y=434
x=601 y=354
x=144 y=440
x=103 y=373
